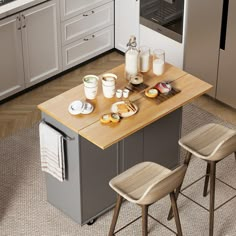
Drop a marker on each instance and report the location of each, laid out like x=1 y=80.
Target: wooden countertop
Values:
x=90 y=127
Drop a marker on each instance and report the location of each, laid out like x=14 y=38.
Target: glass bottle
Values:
x=131 y=58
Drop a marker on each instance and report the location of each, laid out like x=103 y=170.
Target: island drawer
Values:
x=87 y=23
x=70 y=8
x=88 y=47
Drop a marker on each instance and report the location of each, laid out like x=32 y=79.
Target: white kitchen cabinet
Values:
x=87 y=23
x=41 y=42
x=126 y=22
x=11 y=62
x=88 y=47
x=86 y=34
x=30 y=48
x=70 y=8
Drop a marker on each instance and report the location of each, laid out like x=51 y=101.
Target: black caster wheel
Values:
x=91 y=222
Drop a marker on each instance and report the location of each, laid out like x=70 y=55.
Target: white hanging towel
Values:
x=52 y=151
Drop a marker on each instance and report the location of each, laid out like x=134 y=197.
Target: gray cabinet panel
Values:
x=132 y=150
x=161 y=140
x=226 y=75
x=202 y=39
x=66 y=195
x=98 y=167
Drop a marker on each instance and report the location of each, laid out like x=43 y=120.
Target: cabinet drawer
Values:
x=70 y=8
x=87 y=23
x=88 y=47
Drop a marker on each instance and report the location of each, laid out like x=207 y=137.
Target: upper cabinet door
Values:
x=41 y=43
x=11 y=62
x=126 y=22
x=226 y=74
x=70 y=8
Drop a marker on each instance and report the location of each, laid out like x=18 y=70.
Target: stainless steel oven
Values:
x=163 y=16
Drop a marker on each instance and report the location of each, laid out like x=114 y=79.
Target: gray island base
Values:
x=85 y=194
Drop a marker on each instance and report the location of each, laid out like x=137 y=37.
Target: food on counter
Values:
x=115 y=118
x=122 y=108
x=106 y=118
x=136 y=79
x=151 y=93
x=110 y=117
x=163 y=87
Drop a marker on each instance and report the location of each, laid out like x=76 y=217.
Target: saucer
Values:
x=80 y=107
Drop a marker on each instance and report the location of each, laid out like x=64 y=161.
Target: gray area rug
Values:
x=24 y=210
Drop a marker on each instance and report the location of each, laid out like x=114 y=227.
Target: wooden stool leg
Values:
x=212 y=196
x=144 y=220
x=115 y=215
x=176 y=213
x=206 y=180
x=186 y=162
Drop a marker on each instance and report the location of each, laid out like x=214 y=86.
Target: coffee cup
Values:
x=109 y=85
x=90 y=86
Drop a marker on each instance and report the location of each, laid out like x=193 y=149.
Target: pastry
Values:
x=106 y=118
x=151 y=93
x=136 y=80
x=163 y=87
x=122 y=108
x=114 y=117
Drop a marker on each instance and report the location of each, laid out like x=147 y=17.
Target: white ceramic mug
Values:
x=109 y=85
x=90 y=86
x=108 y=90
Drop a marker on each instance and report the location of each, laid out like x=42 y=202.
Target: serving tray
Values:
x=163 y=97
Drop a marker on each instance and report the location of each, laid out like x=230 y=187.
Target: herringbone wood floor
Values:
x=21 y=111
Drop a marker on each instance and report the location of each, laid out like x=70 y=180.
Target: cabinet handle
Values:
x=24 y=21
x=18 y=23
x=86 y=14
x=224 y=24
x=87 y=39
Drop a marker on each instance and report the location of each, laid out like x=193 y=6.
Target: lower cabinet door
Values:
x=11 y=62
x=88 y=47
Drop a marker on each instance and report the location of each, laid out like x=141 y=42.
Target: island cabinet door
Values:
x=161 y=140
x=97 y=168
x=131 y=151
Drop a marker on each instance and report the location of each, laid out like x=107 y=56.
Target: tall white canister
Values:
x=131 y=58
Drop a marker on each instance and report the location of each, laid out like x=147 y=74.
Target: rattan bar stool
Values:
x=212 y=143
x=144 y=184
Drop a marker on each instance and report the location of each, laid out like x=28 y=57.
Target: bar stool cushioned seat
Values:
x=144 y=184
x=212 y=143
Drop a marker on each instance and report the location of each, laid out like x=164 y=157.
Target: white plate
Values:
x=79 y=107
x=114 y=109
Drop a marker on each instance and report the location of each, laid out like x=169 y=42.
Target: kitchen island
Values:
x=97 y=152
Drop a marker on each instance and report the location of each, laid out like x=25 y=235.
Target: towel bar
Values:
x=64 y=136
